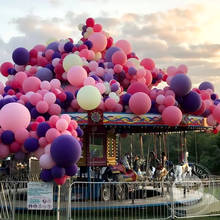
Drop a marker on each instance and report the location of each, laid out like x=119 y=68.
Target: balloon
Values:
x=15 y=147
x=35 y=98
x=119 y=57
x=60 y=181
x=206 y=85
x=65 y=156
x=39 y=152
x=171 y=116
x=139 y=103
x=31 y=144
x=211 y=121
x=50 y=98
x=20 y=56
x=71 y=60
x=46 y=175
x=110 y=52
x=181 y=84
x=42 y=128
x=42 y=107
x=72 y=170
x=61 y=125
x=14 y=116
x=99 y=41
x=88 y=97
x=124 y=46
x=7 y=137
x=89 y=81
x=21 y=135
x=46 y=161
x=57 y=172
x=171 y=71
x=137 y=87
x=191 y=102
x=76 y=76
x=216 y=113
x=148 y=64
x=54 y=109
x=4 y=151
x=160 y=99
x=169 y=100
x=55 y=83
x=31 y=84
x=182 y=69
x=51 y=134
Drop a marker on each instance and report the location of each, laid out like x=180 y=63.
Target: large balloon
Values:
x=181 y=84
x=138 y=87
x=171 y=115
x=99 y=41
x=68 y=155
x=44 y=74
x=20 y=56
x=124 y=45
x=14 y=116
x=88 y=97
x=140 y=103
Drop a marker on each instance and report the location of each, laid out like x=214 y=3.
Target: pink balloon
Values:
x=182 y=69
x=40 y=47
x=211 y=121
x=138 y=87
x=54 y=109
x=20 y=77
x=171 y=71
x=46 y=161
x=51 y=134
x=4 y=151
x=160 y=99
x=45 y=85
x=66 y=117
x=124 y=45
x=216 y=113
x=99 y=71
x=84 y=53
x=76 y=76
x=48 y=54
x=61 y=125
x=31 y=83
x=101 y=87
x=42 y=107
x=93 y=65
x=15 y=147
x=110 y=104
x=21 y=135
x=148 y=77
x=14 y=116
x=119 y=57
x=89 y=81
x=35 y=98
x=55 y=83
x=148 y=64
x=66 y=132
x=74 y=104
x=118 y=108
x=99 y=41
x=39 y=152
x=53 y=120
x=91 y=55
x=169 y=100
x=140 y=103
x=170 y=92
x=42 y=141
x=161 y=108
x=172 y=116
x=50 y=98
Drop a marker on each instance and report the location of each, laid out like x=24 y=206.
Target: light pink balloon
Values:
x=84 y=53
x=99 y=71
x=211 y=121
x=93 y=65
x=55 y=61
x=45 y=85
x=91 y=55
x=42 y=107
x=171 y=71
x=46 y=161
x=182 y=69
x=124 y=45
x=54 y=109
x=160 y=99
x=76 y=76
x=39 y=152
x=31 y=84
x=42 y=141
x=172 y=115
x=50 y=98
x=66 y=132
x=53 y=120
x=21 y=135
x=35 y=98
x=99 y=41
x=161 y=108
x=55 y=83
x=101 y=87
x=51 y=134
x=89 y=81
x=20 y=77
x=66 y=117
x=61 y=125
x=14 y=116
x=4 y=151
x=148 y=77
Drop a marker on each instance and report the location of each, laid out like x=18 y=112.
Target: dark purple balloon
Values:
x=79 y=132
x=20 y=56
x=31 y=144
x=217 y=101
x=69 y=96
x=7 y=137
x=44 y=74
x=109 y=53
x=72 y=170
x=206 y=85
x=68 y=46
x=42 y=129
x=125 y=98
x=53 y=46
x=46 y=175
x=57 y=172
x=65 y=150
x=191 y=102
x=114 y=87
x=89 y=44
x=213 y=96
x=181 y=84
x=56 y=55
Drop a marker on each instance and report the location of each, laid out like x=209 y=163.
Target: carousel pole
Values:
x=141 y=146
x=131 y=149
x=58 y=203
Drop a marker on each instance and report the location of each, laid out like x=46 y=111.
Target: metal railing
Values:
x=116 y=200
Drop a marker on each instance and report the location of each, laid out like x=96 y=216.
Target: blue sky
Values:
x=171 y=32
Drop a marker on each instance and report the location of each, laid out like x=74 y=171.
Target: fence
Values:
x=114 y=200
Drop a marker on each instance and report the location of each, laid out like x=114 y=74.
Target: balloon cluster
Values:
x=93 y=73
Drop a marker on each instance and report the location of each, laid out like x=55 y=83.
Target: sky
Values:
x=171 y=32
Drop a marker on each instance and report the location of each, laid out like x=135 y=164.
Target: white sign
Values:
x=40 y=196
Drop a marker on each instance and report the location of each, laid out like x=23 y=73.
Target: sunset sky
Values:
x=171 y=32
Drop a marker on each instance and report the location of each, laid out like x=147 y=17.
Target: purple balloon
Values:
x=72 y=170
x=46 y=175
x=42 y=129
x=68 y=46
x=181 y=84
x=132 y=71
x=191 y=102
x=109 y=53
x=44 y=74
x=57 y=172
x=31 y=144
x=114 y=87
x=206 y=85
x=108 y=77
x=20 y=56
x=65 y=150
x=8 y=137
x=125 y=98
x=213 y=96
x=53 y=46
x=79 y=132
